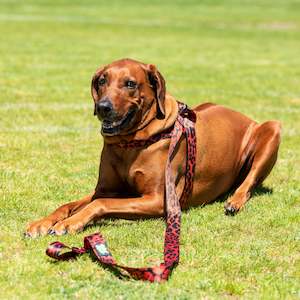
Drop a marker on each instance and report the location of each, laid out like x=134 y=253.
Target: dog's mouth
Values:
x=110 y=127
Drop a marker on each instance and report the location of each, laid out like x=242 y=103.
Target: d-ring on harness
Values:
x=184 y=125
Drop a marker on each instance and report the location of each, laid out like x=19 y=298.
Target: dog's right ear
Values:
x=95 y=86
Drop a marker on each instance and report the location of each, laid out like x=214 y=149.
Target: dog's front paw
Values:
x=66 y=226
x=38 y=228
x=230 y=209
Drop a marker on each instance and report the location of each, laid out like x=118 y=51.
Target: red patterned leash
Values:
x=95 y=243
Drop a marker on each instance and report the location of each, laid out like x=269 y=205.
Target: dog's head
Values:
x=123 y=92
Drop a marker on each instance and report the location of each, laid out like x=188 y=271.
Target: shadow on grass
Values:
x=116 y=272
x=258 y=191
x=117 y=222
x=261 y=190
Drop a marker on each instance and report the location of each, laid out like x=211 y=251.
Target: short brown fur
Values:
x=232 y=150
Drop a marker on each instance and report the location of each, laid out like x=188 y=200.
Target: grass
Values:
x=242 y=54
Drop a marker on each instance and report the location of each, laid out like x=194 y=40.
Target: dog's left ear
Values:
x=159 y=87
x=95 y=86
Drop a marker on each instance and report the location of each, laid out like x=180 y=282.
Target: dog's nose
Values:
x=104 y=108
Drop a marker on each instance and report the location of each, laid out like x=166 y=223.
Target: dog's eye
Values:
x=130 y=84
x=101 y=81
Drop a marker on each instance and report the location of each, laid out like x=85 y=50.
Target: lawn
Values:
x=241 y=54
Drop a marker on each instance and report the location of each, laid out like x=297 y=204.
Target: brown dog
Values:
x=131 y=101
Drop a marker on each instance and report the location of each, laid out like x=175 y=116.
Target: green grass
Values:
x=242 y=54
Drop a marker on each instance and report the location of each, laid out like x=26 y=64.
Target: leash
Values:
x=95 y=243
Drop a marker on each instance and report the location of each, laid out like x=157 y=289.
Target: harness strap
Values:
x=96 y=243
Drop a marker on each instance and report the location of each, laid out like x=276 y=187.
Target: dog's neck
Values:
x=150 y=125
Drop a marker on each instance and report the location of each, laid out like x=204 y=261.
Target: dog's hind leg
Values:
x=264 y=144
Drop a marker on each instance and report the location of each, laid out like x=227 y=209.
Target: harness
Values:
x=184 y=126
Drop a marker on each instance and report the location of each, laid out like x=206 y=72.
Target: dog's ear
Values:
x=95 y=86
x=159 y=87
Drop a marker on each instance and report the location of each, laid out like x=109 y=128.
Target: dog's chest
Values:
x=141 y=168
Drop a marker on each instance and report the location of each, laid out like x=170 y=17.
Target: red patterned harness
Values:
x=184 y=125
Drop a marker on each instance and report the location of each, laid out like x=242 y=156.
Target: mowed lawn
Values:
x=241 y=54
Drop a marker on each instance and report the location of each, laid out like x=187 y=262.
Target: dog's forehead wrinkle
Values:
x=121 y=73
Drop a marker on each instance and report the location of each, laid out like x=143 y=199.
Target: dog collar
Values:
x=183 y=112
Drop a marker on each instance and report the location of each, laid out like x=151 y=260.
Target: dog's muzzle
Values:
x=112 y=123
x=114 y=127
